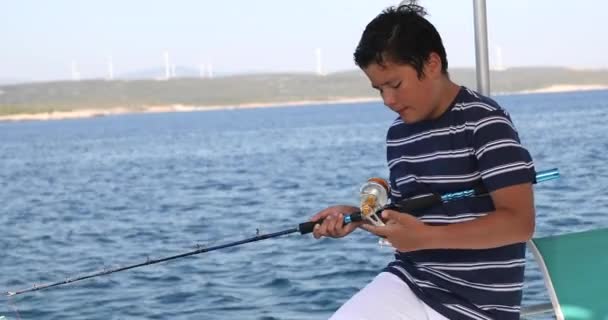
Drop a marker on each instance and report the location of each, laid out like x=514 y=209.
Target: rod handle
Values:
x=413 y=204
x=308 y=227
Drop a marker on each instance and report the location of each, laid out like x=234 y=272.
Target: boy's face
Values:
x=412 y=98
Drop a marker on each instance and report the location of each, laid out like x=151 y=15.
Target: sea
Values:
x=86 y=195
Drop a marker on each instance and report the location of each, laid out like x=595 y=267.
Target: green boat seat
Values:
x=575 y=271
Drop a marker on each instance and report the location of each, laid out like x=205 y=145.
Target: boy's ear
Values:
x=433 y=65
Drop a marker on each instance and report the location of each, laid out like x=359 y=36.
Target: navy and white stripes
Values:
x=474 y=142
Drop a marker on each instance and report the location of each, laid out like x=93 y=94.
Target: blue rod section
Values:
x=546 y=175
x=541 y=176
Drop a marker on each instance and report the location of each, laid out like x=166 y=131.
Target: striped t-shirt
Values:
x=474 y=142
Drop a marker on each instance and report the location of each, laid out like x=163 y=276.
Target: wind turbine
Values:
x=167 y=66
x=75 y=72
x=110 y=68
x=319 y=62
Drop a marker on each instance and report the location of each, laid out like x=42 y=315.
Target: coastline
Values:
x=557 y=88
x=90 y=113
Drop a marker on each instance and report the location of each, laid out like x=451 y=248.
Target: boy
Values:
x=463 y=259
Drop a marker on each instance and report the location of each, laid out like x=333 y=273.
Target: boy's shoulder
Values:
x=476 y=106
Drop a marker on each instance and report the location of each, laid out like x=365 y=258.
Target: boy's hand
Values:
x=403 y=231
x=333 y=223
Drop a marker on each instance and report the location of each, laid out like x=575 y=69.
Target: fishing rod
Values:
x=373 y=201
x=425 y=201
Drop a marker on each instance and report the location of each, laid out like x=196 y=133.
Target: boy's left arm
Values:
x=512 y=222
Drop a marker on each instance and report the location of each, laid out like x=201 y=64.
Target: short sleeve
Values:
x=502 y=160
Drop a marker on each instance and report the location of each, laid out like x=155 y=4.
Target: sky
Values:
x=41 y=39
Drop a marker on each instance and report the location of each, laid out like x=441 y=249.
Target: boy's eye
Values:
x=390 y=85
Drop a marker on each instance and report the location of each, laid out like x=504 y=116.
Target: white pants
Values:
x=386 y=298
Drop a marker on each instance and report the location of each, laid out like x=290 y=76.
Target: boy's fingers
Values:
x=319 y=215
x=392 y=215
x=379 y=231
x=336 y=225
x=318 y=231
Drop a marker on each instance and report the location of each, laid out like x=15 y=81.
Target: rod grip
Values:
x=308 y=227
x=414 y=204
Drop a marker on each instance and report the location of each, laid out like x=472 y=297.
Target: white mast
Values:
x=481 y=47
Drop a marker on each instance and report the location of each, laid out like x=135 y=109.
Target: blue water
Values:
x=82 y=195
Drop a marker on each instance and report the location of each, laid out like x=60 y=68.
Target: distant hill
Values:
x=253 y=88
x=180 y=72
x=159 y=73
x=6 y=81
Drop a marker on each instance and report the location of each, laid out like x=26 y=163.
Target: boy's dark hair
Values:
x=401 y=35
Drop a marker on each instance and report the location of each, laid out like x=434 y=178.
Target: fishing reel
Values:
x=373 y=199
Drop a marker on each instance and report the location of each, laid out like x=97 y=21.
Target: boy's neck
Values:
x=448 y=92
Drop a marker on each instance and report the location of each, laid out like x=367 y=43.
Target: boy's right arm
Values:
x=333 y=222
